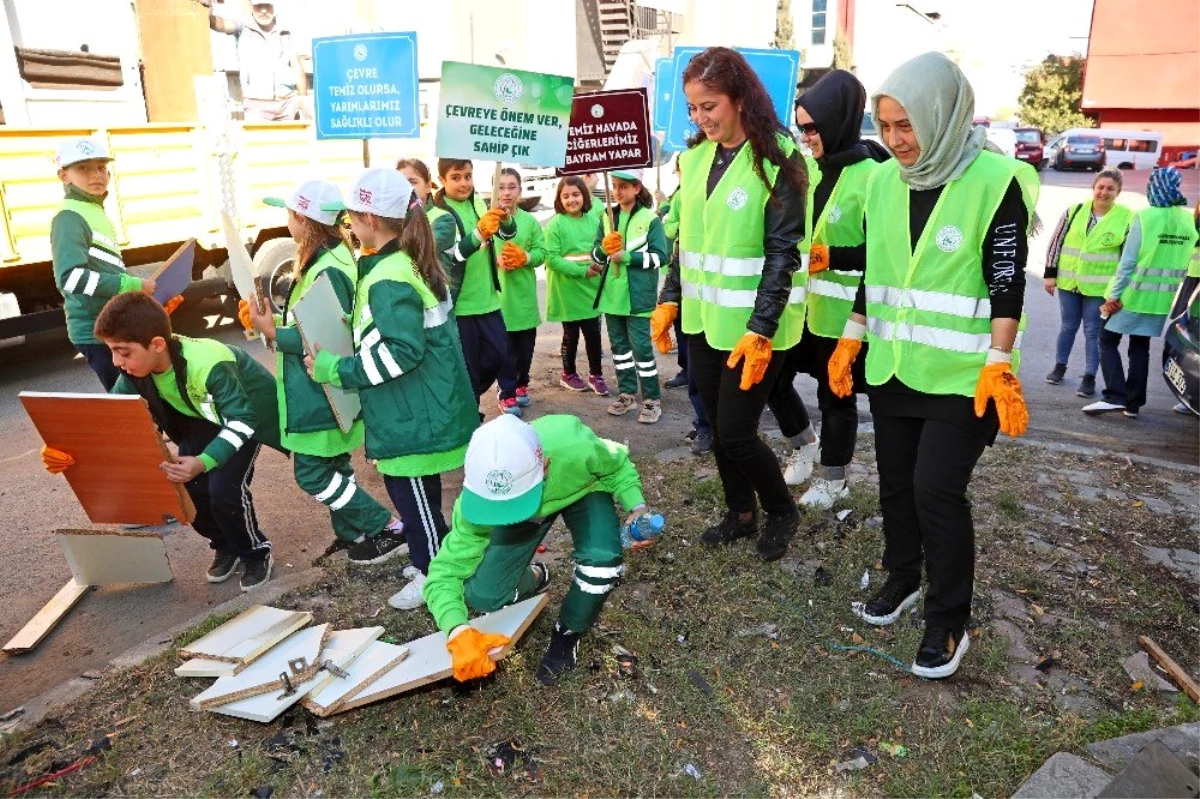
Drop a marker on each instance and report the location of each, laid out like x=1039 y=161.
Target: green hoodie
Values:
x=578 y=463
x=518 y=295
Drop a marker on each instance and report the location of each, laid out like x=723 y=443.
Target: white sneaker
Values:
x=1097 y=408
x=409 y=597
x=799 y=464
x=410 y=572
x=823 y=493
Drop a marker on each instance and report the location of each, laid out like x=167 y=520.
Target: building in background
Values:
x=1143 y=70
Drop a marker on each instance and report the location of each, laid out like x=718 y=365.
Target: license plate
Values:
x=1174 y=374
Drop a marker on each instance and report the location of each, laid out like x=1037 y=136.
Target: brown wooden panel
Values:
x=117 y=451
x=175 y=49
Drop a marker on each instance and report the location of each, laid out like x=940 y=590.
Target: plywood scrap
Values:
x=246 y=636
x=47 y=618
x=340 y=652
x=429 y=660
x=289 y=663
x=113 y=557
x=1173 y=669
x=378 y=659
x=203 y=667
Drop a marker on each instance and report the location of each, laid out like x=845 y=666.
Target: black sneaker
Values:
x=702 y=444
x=889 y=602
x=730 y=529
x=1057 y=374
x=777 y=531
x=691 y=436
x=1087 y=386
x=384 y=546
x=678 y=381
x=560 y=656
x=940 y=652
x=222 y=567
x=257 y=572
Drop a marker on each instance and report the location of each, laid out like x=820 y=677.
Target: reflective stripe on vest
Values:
x=832 y=292
x=202 y=355
x=1088 y=258
x=1168 y=238
x=104 y=236
x=928 y=309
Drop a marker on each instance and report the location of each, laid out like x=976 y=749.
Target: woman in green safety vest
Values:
x=1138 y=298
x=1080 y=261
x=741 y=216
x=947 y=240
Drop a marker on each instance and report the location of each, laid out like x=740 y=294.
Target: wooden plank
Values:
x=343 y=648
x=175 y=47
x=379 y=659
x=241 y=266
x=175 y=275
x=246 y=636
x=1181 y=677
x=47 y=618
x=202 y=667
x=429 y=660
x=297 y=656
x=113 y=557
x=322 y=325
x=117 y=450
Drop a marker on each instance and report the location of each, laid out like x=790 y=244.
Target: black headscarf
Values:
x=836 y=104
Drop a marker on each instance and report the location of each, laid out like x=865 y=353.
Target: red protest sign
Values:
x=609 y=130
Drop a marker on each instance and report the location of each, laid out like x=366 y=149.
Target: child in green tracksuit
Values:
x=570 y=292
x=88 y=268
x=628 y=258
x=519 y=478
x=321 y=451
x=521 y=251
x=218 y=405
x=407 y=366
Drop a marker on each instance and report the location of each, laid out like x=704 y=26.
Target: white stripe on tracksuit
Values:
x=431 y=533
x=248 y=505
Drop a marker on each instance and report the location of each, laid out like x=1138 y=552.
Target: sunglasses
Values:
x=809 y=129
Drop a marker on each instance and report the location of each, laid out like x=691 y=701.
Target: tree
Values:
x=784 y=39
x=843 y=51
x=1052 y=93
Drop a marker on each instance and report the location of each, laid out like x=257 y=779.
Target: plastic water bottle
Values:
x=642 y=531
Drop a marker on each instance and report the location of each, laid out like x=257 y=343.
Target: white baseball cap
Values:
x=319 y=200
x=73 y=151
x=627 y=174
x=502 y=480
x=383 y=192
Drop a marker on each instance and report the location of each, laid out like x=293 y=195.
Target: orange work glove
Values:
x=244 y=314
x=56 y=461
x=755 y=351
x=489 y=223
x=612 y=243
x=818 y=258
x=170 y=305
x=841 y=382
x=469 y=648
x=512 y=256
x=661 y=320
x=998 y=383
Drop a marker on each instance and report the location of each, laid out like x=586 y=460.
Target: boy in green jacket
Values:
x=88 y=268
x=218 y=405
x=518 y=479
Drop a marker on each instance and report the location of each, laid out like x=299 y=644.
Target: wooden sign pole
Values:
x=366 y=153
x=496 y=185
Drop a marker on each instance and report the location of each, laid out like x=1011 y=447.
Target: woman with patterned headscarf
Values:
x=1138 y=298
x=947 y=238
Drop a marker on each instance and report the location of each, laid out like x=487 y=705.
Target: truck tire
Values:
x=273 y=265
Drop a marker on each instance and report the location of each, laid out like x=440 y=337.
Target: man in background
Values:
x=272 y=77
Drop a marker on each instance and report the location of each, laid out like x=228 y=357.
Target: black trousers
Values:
x=224 y=505
x=485 y=349
x=1121 y=388
x=99 y=358
x=681 y=350
x=746 y=463
x=590 y=328
x=925 y=466
x=418 y=500
x=839 y=415
x=520 y=349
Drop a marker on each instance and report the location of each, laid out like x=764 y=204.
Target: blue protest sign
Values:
x=365 y=86
x=664 y=86
x=777 y=69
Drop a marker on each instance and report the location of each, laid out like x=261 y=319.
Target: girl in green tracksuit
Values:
x=569 y=289
x=628 y=258
x=418 y=405
x=521 y=249
x=307 y=423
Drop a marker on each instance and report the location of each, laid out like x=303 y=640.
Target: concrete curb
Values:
x=1077 y=449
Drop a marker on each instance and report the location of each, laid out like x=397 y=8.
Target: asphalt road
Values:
x=110 y=620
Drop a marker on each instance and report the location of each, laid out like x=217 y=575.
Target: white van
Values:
x=1131 y=149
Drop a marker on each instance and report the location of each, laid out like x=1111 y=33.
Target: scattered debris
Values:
x=437 y=788
x=510 y=757
x=262 y=792
x=895 y=750
x=692 y=771
x=866 y=580
x=842 y=514
x=1181 y=677
x=822 y=577
x=767 y=628
x=1046 y=661
x=865 y=754
x=1140 y=671
x=857 y=764
x=700 y=682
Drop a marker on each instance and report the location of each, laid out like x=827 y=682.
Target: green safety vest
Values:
x=831 y=293
x=1168 y=237
x=721 y=249
x=1194 y=264
x=1089 y=259
x=104 y=235
x=397 y=266
x=628 y=291
x=929 y=317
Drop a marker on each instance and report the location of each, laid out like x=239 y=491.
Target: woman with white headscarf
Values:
x=947 y=238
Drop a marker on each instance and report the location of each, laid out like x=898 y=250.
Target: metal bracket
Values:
x=333 y=669
x=289 y=689
x=298 y=666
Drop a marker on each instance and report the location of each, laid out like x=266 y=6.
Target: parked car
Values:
x=1005 y=139
x=1029 y=147
x=1181 y=345
x=867 y=129
x=1076 y=149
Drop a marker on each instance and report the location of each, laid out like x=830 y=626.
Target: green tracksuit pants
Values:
x=352 y=511
x=503 y=576
x=633 y=355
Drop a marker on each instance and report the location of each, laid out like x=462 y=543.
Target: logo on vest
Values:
x=737 y=199
x=499 y=482
x=1109 y=239
x=948 y=239
x=835 y=213
x=508 y=88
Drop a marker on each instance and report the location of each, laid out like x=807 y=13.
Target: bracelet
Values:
x=1002 y=349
